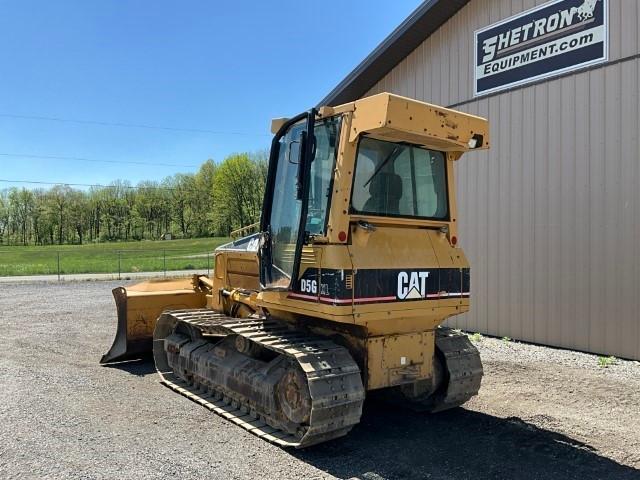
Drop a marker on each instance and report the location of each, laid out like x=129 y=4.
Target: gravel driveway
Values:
x=542 y=413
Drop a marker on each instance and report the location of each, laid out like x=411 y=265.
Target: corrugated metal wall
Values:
x=550 y=216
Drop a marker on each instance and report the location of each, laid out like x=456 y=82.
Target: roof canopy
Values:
x=396 y=118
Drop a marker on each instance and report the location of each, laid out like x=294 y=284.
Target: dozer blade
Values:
x=140 y=305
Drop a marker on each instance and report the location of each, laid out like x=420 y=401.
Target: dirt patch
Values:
x=567 y=392
x=542 y=413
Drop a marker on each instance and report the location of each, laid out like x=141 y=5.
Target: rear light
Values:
x=454 y=240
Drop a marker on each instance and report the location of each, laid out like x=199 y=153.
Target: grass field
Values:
x=126 y=257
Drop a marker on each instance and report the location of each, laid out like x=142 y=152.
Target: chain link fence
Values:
x=52 y=262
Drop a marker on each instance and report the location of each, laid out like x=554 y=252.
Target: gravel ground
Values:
x=542 y=413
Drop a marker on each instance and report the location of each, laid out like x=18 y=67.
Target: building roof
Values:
x=424 y=21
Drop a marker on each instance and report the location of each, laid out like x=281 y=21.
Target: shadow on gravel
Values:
x=141 y=367
x=458 y=444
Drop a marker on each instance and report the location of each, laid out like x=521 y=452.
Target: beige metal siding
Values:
x=550 y=216
x=441 y=68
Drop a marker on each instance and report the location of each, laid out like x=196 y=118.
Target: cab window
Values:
x=326 y=133
x=399 y=180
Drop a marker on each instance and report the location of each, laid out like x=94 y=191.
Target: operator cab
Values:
x=392 y=179
x=384 y=159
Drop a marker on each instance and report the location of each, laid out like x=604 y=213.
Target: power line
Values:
x=91 y=185
x=82 y=159
x=129 y=125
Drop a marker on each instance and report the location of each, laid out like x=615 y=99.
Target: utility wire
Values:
x=82 y=159
x=93 y=185
x=129 y=125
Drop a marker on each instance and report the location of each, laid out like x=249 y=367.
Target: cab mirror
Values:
x=294 y=151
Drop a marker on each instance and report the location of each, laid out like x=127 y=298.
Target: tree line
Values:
x=215 y=200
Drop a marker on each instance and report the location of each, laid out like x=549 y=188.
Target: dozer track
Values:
x=282 y=384
x=463 y=369
x=457 y=375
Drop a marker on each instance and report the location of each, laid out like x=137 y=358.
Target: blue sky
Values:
x=219 y=66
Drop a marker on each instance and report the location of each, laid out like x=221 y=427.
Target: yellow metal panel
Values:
x=447 y=257
x=343 y=177
x=392 y=247
x=399 y=359
x=383 y=319
x=144 y=306
x=400 y=118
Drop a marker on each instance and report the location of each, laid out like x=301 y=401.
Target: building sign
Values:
x=554 y=38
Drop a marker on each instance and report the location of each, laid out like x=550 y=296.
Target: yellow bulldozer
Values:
x=343 y=289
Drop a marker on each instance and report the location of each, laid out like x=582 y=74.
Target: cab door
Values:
x=285 y=203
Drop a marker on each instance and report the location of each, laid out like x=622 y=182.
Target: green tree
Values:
x=238 y=191
x=212 y=201
x=149 y=208
x=79 y=214
x=59 y=198
x=4 y=214
x=183 y=196
x=39 y=218
x=203 y=200
x=21 y=204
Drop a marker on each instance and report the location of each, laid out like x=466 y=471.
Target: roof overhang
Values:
x=423 y=22
x=400 y=119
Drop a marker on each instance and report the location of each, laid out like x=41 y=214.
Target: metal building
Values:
x=550 y=216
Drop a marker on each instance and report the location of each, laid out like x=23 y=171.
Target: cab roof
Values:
x=396 y=118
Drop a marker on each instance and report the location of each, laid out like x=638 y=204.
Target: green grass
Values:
x=605 y=362
x=143 y=256
x=476 y=337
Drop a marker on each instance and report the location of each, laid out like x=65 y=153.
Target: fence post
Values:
x=58 y=252
x=119 y=263
x=164 y=260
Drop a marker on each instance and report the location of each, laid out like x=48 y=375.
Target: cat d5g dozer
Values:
x=343 y=289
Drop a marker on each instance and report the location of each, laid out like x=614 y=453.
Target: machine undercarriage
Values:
x=288 y=386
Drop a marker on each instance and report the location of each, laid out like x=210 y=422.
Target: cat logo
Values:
x=412 y=285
